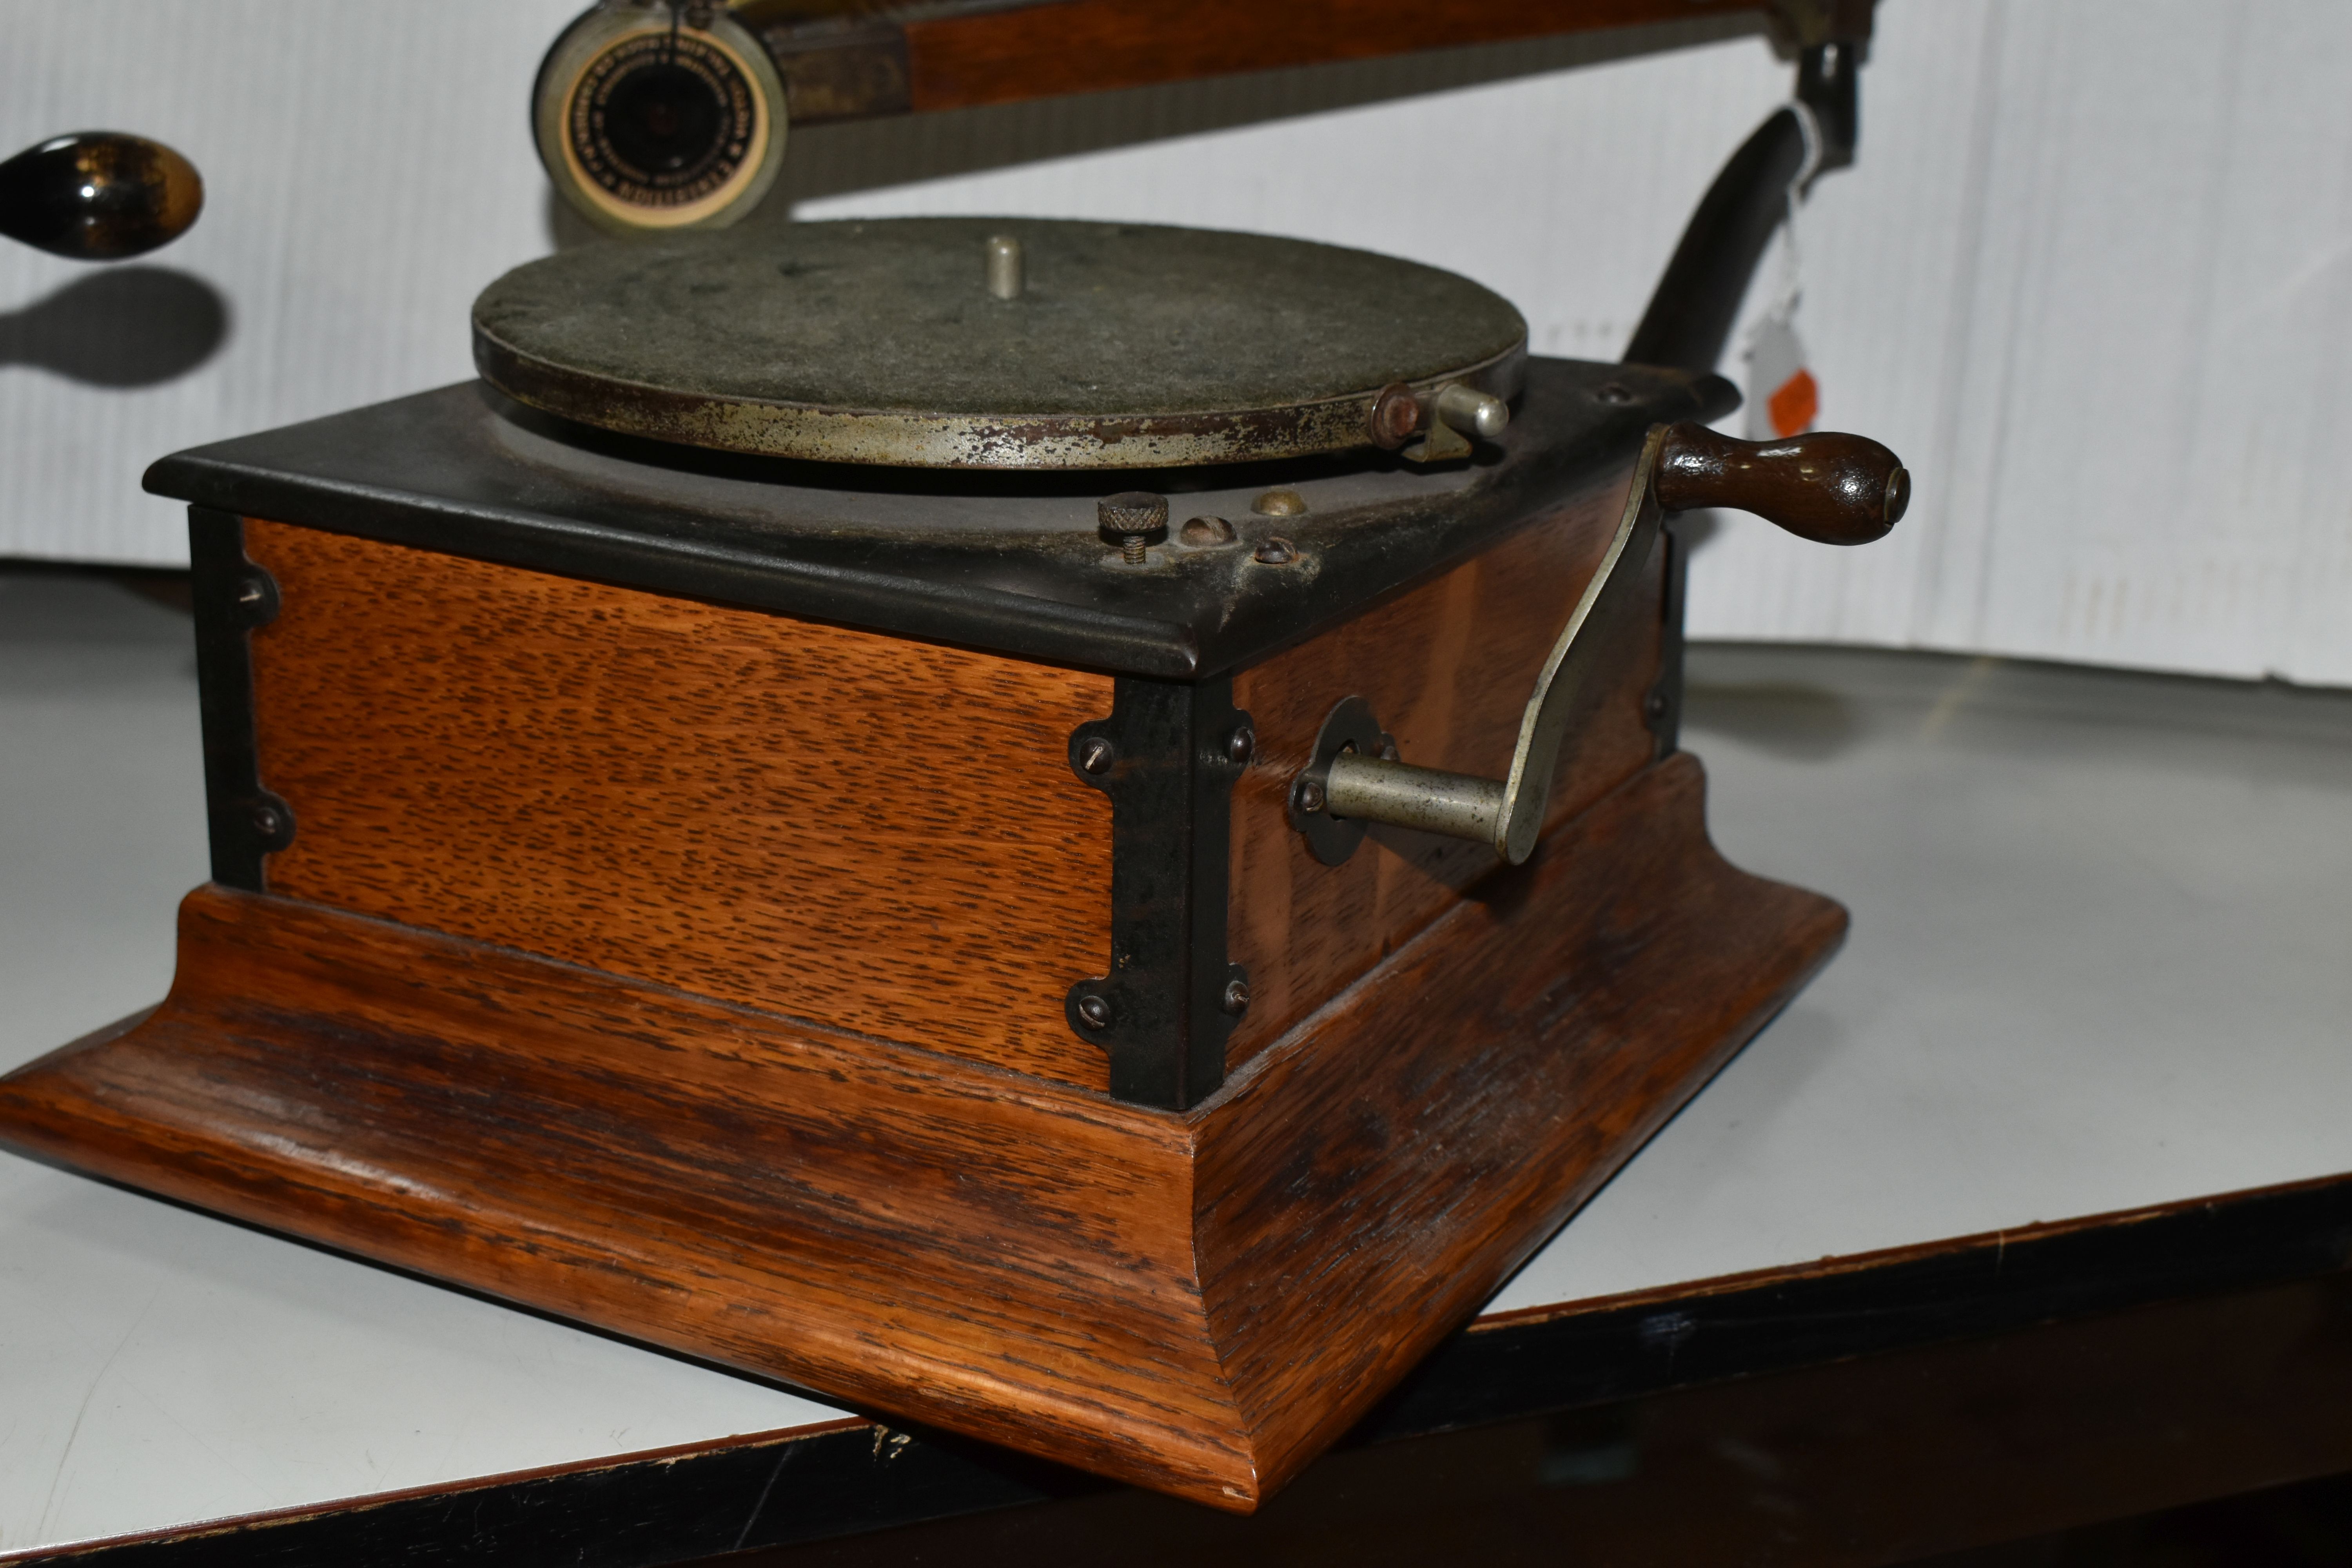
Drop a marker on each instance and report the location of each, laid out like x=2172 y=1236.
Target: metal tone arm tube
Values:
x=1459 y=805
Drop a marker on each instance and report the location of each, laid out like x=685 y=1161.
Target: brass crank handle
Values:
x=1837 y=489
x=98 y=195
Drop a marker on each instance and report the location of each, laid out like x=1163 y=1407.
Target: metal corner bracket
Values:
x=234 y=598
x=1168 y=757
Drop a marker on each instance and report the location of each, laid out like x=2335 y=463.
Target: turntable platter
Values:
x=903 y=341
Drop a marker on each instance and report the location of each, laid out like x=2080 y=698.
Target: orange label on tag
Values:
x=1794 y=404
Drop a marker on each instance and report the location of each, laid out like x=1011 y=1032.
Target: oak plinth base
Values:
x=1198 y=1302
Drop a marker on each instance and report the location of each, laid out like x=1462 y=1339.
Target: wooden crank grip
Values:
x=1827 y=488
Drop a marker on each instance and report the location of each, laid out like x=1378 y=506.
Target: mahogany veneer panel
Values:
x=1196 y=1303
x=1092 y=45
x=1447 y=667
x=730 y=801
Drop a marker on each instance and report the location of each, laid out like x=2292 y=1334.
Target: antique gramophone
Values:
x=1070 y=831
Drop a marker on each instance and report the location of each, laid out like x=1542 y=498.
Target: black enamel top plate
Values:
x=1129 y=345
x=1007 y=561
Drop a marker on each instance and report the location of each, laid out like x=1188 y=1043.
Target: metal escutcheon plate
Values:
x=1349 y=727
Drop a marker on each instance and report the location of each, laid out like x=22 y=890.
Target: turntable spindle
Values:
x=1005 y=279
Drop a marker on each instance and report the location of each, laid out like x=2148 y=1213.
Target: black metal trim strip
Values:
x=784 y=1488
x=681 y=1506
x=1169 y=757
x=464 y=472
x=233 y=597
x=1533 y=1364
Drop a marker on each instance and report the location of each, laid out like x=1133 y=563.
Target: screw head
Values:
x=1132 y=520
x=1201 y=531
x=1094 y=1010
x=1311 y=795
x=1396 y=414
x=266 y=822
x=1095 y=754
x=1614 y=392
x=1274 y=553
x=1280 y=503
x=1236 y=998
x=1241 y=746
x=1656 y=706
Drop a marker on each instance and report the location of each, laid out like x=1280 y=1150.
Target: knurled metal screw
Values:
x=1134 y=521
x=1094 y=1012
x=1095 y=755
x=1311 y=795
x=1274 y=553
x=1236 y=996
x=1241 y=746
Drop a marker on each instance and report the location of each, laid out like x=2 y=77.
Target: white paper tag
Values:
x=1783 y=399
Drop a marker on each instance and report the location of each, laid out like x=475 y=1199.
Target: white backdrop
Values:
x=2093 y=277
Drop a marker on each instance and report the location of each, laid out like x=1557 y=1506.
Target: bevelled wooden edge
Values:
x=1197 y=1303
x=970 y=1248
x=1586 y=997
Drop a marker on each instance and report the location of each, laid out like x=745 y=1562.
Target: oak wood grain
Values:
x=1502 y=1066
x=1095 y=45
x=879 y=834
x=1195 y=1302
x=1447 y=669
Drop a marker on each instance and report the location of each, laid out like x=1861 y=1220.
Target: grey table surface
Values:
x=2099 y=961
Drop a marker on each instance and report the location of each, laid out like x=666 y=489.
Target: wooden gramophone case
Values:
x=884 y=930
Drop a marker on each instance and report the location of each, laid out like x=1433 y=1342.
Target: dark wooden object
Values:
x=1092 y=45
x=98 y=195
x=1196 y=1303
x=858 y=1006
x=714 y=976
x=1859 y=1409
x=1885 y=1460
x=858 y=59
x=1830 y=487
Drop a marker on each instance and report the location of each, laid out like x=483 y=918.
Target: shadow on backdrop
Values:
x=1788 y=719
x=124 y=327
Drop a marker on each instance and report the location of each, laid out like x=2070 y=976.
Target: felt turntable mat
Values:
x=895 y=316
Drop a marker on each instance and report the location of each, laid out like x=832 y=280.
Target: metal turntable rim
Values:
x=877 y=341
